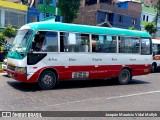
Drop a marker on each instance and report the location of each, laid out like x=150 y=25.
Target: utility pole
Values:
x=158 y=13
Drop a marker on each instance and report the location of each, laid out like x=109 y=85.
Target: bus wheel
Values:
x=153 y=68
x=124 y=76
x=47 y=80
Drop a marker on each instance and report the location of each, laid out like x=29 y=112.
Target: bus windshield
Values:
x=21 y=40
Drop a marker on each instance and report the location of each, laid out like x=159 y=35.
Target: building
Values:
x=41 y=9
x=148 y=15
x=20 y=12
x=104 y=14
x=132 y=7
x=12 y=13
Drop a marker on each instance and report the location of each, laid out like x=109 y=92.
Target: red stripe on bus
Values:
x=95 y=72
x=109 y=71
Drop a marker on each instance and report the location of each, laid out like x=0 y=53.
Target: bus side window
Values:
x=112 y=44
x=74 y=42
x=82 y=42
x=51 y=42
x=145 y=46
x=128 y=45
x=67 y=42
x=96 y=44
x=38 y=41
x=104 y=44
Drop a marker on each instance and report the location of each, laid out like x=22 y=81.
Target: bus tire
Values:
x=124 y=76
x=47 y=80
x=153 y=68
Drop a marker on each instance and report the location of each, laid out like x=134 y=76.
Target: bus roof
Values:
x=156 y=41
x=84 y=29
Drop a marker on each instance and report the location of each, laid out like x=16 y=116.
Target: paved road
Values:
x=141 y=94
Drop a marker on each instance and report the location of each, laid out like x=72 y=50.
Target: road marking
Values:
x=136 y=94
x=107 y=98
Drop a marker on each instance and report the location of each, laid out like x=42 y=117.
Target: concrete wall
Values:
x=126 y=23
x=87 y=15
x=135 y=7
x=94 y=14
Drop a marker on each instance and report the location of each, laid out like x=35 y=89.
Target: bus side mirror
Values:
x=154 y=53
x=31 y=50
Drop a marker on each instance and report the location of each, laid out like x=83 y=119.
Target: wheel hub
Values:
x=124 y=77
x=47 y=80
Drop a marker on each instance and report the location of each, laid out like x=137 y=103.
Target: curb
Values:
x=1 y=71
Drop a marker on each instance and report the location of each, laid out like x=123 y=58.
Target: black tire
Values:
x=47 y=80
x=153 y=68
x=124 y=76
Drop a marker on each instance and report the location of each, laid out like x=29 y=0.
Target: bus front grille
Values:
x=11 y=67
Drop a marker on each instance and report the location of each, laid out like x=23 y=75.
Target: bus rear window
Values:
x=146 y=46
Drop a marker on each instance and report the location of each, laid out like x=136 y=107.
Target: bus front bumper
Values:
x=17 y=76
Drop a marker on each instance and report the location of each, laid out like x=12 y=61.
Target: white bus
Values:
x=77 y=52
x=156 y=54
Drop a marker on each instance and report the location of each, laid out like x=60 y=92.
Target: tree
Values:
x=132 y=28
x=2 y=38
x=158 y=13
x=9 y=31
x=69 y=9
x=150 y=28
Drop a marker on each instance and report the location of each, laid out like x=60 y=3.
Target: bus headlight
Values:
x=17 y=69
x=22 y=70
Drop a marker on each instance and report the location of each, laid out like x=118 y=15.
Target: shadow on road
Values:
x=135 y=82
x=25 y=87
x=6 y=76
x=32 y=87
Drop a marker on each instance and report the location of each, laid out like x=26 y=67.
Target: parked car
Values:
x=4 y=65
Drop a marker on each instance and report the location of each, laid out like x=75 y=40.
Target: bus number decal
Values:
x=80 y=74
x=97 y=59
x=52 y=59
x=72 y=59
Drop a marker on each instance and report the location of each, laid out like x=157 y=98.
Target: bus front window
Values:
x=21 y=41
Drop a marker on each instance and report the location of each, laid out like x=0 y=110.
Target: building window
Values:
x=32 y=18
x=22 y=19
x=133 y=21
x=147 y=18
x=143 y=17
x=13 y=17
x=40 y=2
x=47 y=15
x=121 y=17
